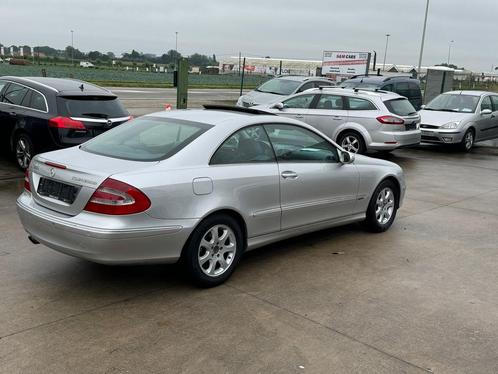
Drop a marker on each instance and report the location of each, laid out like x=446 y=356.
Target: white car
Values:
x=277 y=89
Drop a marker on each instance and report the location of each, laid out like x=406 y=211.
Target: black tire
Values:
x=346 y=140
x=467 y=141
x=24 y=150
x=372 y=220
x=193 y=251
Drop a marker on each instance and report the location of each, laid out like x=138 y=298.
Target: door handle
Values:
x=336 y=117
x=13 y=114
x=299 y=116
x=288 y=174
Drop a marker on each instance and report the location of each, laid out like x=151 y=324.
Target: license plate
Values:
x=57 y=190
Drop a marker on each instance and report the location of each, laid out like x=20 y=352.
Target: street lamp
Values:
x=72 y=47
x=449 y=50
x=423 y=38
x=385 y=51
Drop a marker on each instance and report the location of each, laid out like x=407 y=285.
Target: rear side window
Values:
x=401 y=107
x=330 y=102
x=91 y=106
x=403 y=88
x=37 y=101
x=146 y=139
x=15 y=94
x=355 y=103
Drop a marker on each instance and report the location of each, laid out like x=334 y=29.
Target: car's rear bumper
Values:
x=158 y=242
x=389 y=140
x=449 y=136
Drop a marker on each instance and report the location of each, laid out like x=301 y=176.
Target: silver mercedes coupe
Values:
x=202 y=186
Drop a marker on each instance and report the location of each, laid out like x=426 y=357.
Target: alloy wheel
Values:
x=217 y=250
x=23 y=152
x=469 y=140
x=384 y=206
x=351 y=144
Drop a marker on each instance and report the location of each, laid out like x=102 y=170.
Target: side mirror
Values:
x=346 y=157
x=485 y=112
x=422 y=106
x=278 y=106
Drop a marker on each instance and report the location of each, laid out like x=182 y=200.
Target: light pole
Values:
x=423 y=39
x=385 y=52
x=176 y=41
x=449 y=51
x=72 y=47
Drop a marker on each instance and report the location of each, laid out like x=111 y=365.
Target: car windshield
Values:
x=454 y=103
x=370 y=86
x=279 y=86
x=401 y=107
x=146 y=139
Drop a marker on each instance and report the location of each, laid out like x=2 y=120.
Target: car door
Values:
x=314 y=185
x=297 y=106
x=485 y=123
x=327 y=114
x=494 y=116
x=244 y=170
x=12 y=110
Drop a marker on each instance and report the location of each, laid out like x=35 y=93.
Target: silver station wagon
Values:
x=358 y=120
x=202 y=186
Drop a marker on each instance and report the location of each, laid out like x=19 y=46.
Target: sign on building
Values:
x=343 y=63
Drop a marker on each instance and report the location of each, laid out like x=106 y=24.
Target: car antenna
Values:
x=82 y=87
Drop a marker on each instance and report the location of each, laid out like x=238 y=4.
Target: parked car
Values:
x=403 y=85
x=460 y=118
x=358 y=120
x=277 y=89
x=86 y=64
x=42 y=114
x=204 y=186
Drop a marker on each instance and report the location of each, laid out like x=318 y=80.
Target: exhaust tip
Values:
x=33 y=240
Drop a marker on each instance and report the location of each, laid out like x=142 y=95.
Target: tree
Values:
x=76 y=53
x=94 y=55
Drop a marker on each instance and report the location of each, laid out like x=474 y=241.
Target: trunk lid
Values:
x=65 y=180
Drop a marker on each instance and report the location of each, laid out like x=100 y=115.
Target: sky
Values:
x=277 y=28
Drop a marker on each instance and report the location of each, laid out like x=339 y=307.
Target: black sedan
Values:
x=43 y=114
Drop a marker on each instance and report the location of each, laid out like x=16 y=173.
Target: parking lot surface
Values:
x=421 y=297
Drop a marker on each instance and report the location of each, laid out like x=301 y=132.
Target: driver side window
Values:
x=299 y=102
x=296 y=144
x=249 y=145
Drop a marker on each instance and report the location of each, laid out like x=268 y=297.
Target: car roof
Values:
x=353 y=91
x=301 y=78
x=381 y=79
x=62 y=86
x=469 y=93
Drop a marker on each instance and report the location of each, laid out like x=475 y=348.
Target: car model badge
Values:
x=52 y=172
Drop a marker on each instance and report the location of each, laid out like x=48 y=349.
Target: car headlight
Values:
x=450 y=125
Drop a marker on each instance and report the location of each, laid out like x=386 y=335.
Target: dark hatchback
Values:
x=402 y=85
x=42 y=114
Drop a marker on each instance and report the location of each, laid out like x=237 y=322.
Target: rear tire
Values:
x=214 y=250
x=382 y=208
x=24 y=150
x=352 y=142
x=467 y=141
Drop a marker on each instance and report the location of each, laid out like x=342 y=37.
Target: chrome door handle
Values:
x=299 y=116
x=289 y=174
x=336 y=117
x=13 y=114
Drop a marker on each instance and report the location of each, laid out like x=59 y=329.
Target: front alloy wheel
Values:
x=383 y=206
x=467 y=141
x=24 y=151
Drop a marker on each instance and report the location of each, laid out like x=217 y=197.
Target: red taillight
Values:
x=390 y=120
x=66 y=123
x=27 y=185
x=117 y=198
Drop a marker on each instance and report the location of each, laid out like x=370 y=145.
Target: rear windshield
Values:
x=401 y=107
x=279 y=86
x=146 y=139
x=91 y=106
